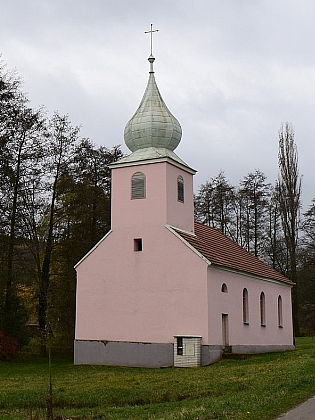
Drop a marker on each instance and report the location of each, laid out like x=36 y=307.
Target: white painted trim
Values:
x=188 y=335
x=188 y=232
x=171 y=229
x=151 y=161
x=252 y=276
x=92 y=249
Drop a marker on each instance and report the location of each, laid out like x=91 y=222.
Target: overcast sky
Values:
x=231 y=71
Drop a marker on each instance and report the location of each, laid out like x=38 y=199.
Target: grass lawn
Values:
x=259 y=387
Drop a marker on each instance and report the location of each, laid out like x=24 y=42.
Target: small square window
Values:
x=137 y=244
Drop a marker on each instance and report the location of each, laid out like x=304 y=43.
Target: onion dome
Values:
x=152 y=125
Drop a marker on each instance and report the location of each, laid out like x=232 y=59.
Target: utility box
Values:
x=187 y=350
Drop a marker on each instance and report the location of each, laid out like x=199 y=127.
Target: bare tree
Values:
x=289 y=190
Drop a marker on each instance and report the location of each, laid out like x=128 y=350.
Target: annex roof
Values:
x=222 y=251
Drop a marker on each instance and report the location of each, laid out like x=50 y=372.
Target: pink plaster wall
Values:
x=160 y=206
x=231 y=303
x=146 y=296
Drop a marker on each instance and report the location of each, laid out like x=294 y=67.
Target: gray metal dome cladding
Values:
x=152 y=125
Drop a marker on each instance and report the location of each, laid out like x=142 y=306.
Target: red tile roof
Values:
x=222 y=251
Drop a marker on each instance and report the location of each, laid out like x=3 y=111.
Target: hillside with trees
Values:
x=54 y=206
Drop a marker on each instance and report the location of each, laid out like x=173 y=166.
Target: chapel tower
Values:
x=152 y=185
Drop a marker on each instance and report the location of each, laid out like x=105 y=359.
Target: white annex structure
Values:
x=159 y=289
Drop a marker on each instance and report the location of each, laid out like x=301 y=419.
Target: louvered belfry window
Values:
x=180 y=189
x=138 y=185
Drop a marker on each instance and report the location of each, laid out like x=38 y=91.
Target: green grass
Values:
x=259 y=387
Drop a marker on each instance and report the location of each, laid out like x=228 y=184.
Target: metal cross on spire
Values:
x=151 y=32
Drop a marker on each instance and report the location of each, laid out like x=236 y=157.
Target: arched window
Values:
x=262 y=309
x=180 y=189
x=138 y=185
x=224 y=288
x=280 y=319
x=245 y=307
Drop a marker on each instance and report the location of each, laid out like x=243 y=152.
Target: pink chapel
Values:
x=159 y=289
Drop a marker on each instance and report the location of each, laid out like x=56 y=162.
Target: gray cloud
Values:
x=230 y=71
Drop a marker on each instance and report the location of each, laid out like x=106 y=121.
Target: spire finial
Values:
x=151 y=32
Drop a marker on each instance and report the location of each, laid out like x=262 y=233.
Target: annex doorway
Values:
x=225 y=330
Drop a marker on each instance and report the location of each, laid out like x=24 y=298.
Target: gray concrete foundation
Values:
x=152 y=355
x=261 y=349
x=119 y=353
x=210 y=354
